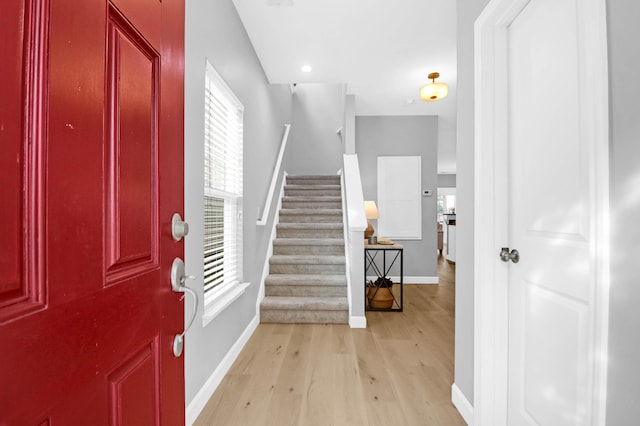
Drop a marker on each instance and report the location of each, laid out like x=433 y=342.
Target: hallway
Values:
x=397 y=371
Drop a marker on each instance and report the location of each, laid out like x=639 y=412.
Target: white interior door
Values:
x=548 y=120
x=550 y=192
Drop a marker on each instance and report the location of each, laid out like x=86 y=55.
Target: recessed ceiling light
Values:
x=306 y=68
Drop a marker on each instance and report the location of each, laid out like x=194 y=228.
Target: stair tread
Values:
x=308 y=241
x=309 y=225
x=312 y=187
x=328 y=211
x=312 y=198
x=306 y=279
x=316 y=259
x=330 y=303
x=337 y=177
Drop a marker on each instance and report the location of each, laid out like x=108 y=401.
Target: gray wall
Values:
x=468 y=11
x=404 y=135
x=214 y=31
x=446 y=180
x=318 y=112
x=624 y=338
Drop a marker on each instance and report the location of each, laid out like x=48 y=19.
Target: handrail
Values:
x=262 y=221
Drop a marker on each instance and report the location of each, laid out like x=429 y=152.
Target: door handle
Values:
x=506 y=256
x=178 y=279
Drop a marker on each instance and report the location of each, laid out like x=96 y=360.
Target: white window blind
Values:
x=222 y=186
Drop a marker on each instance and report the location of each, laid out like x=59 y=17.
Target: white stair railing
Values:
x=262 y=221
x=355 y=224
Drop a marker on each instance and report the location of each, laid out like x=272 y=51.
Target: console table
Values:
x=379 y=259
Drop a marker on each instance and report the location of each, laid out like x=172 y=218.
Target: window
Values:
x=222 y=187
x=446 y=202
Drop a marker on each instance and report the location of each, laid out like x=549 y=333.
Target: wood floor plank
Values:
x=373 y=375
x=317 y=404
x=384 y=413
x=348 y=399
x=224 y=406
x=342 y=343
x=259 y=364
x=291 y=376
x=397 y=371
x=284 y=410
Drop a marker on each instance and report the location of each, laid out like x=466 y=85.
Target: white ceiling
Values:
x=382 y=50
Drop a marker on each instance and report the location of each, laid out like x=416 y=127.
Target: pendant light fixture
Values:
x=434 y=91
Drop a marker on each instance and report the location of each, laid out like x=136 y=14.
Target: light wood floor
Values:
x=397 y=371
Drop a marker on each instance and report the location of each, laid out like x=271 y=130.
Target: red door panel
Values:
x=21 y=111
x=131 y=400
x=131 y=152
x=91 y=122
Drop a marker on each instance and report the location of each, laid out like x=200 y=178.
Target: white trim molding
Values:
x=462 y=404
x=357 y=321
x=416 y=280
x=205 y=393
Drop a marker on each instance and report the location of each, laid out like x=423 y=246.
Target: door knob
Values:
x=506 y=256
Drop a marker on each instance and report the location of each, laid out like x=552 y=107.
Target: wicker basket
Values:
x=380 y=297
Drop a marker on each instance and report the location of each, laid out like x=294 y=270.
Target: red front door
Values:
x=91 y=169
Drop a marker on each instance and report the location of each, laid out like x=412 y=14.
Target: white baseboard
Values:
x=198 y=403
x=358 y=322
x=462 y=404
x=410 y=279
x=421 y=280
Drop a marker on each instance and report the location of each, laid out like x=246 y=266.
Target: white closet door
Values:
x=399 y=197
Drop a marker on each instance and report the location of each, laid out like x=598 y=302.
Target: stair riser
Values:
x=311 y=192
x=305 y=291
x=336 y=250
x=311 y=204
x=311 y=280
x=306 y=178
x=307 y=269
x=309 y=233
x=310 y=218
x=315 y=181
x=297 y=316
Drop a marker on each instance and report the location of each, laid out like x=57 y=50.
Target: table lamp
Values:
x=371 y=211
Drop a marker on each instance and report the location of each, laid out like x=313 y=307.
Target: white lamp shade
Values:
x=371 y=210
x=434 y=91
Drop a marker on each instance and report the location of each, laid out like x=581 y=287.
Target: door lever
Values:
x=178 y=280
